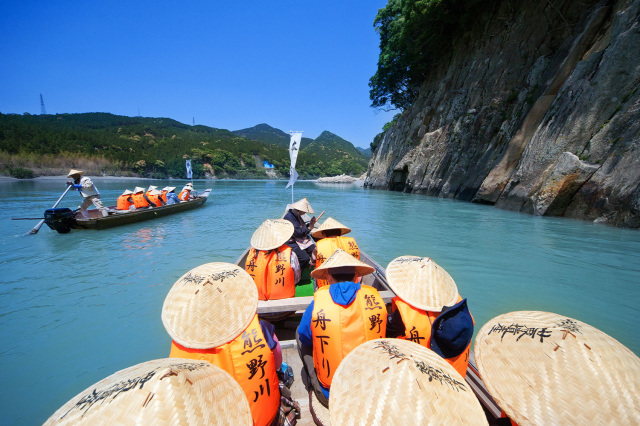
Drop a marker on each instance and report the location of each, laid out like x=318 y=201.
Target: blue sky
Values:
x=296 y=65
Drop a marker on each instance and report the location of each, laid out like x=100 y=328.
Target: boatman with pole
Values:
x=88 y=190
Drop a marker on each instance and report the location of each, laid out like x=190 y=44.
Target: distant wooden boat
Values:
x=63 y=220
x=288 y=312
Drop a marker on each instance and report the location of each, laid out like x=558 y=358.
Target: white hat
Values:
x=302 y=205
x=138 y=190
x=151 y=188
x=272 y=234
x=127 y=192
x=169 y=188
x=155 y=192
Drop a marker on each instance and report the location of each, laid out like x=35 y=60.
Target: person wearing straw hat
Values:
x=167 y=391
x=149 y=189
x=169 y=195
x=88 y=190
x=342 y=315
x=155 y=198
x=140 y=199
x=329 y=237
x=397 y=382
x=186 y=193
x=124 y=201
x=210 y=314
x=271 y=263
x=428 y=310
x=301 y=242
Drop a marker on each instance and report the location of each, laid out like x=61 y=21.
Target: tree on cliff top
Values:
x=414 y=35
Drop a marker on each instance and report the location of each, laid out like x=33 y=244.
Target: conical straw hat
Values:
x=398 y=382
x=420 y=282
x=328 y=224
x=210 y=305
x=543 y=368
x=166 y=391
x=302 y=205
x=169 y=188
x=341 y=259
x=151 y=188
x=127 y=192
x=155 y=192
x=138 y=190
x=74 y=172
x=272 y=234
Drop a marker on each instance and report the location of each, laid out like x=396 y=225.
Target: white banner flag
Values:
x=293 y=178
x=189 y=173
x=294 y=147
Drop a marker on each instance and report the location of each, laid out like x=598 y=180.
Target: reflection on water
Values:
x=75 y=308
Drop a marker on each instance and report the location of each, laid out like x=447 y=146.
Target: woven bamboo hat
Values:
x=544 y=368
x=330 y=224
x=189 y=185
x=272 y=234
x=210 y=305
x=338 y=261
x=155 y=192
x=127 y=192
x=138 y=190
x=398 y=382
x=420 y=282
x=169 y=188
x=160 y=392
x=151 y=188
x=302 y=205
x=73 y=172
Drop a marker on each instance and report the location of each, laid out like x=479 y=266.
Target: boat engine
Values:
x=61 y=219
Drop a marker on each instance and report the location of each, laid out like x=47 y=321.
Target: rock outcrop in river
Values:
x=537 y=111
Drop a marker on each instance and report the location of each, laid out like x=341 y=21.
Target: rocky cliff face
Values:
x=538 y=111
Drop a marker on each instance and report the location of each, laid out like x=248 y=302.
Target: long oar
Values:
x=39 y=225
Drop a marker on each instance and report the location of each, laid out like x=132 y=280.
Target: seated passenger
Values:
x=155 y=197
x=186 y=193
x=428 y=309
x=149 y=189
x=169 y=195
x=342 y=315
x=210 y=314
x=301 y=243
x=271 y=263
x=140 y=199
x=329 y=238
x=125 y=202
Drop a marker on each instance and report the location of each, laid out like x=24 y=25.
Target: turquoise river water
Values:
x=76 y=308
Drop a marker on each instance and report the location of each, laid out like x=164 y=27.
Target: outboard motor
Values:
x=61 y=219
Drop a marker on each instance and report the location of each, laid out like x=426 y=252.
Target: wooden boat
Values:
x=63 y=220
x=288 y=313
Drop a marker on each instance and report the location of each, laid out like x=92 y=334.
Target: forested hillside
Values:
x=107 y=144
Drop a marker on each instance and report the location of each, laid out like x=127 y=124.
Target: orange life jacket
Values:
x=272 y=272
x=139 y=201
x=155 y=199
x=337 y=329
x=123 y=202
x=164 y=196
x=184 y=195
x=417 y=326
x=251 y=363
x=328 y=245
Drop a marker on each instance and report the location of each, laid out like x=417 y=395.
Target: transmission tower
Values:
x=43 y=110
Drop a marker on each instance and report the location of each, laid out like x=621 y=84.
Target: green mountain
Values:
x=329 y=152
x=365 y=152
x=107 y=144
x=267 y=134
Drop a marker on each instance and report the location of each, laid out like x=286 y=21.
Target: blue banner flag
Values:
x=189 y=173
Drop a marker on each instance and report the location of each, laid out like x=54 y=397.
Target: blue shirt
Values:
x=172 y=198
x=342 y=294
